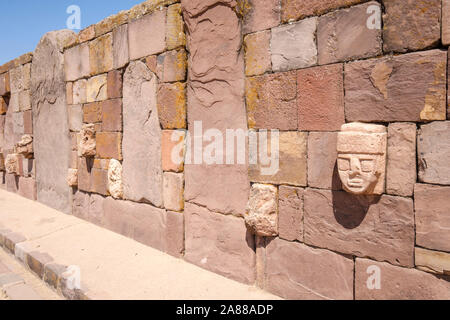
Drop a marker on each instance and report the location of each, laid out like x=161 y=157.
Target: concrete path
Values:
x=109 y=265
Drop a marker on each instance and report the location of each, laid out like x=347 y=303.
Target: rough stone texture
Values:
x=381 y=228
x=175 y=36
x=290 y=213
x=99 y=181
x=433 y=146
x=75 y=117
x=432 y=261
x=173 y=190
x=259 y=14
x=114 y=84
x=215 y=90
x=294 y=46
x=27 y=123
x=50 y=119
x=141 y=222
x=296 y=271
x=120 y=46
x=79 y=92
x=109 y=145
x=219 y=243
x=86 y=34
x=97 y=88
x=298 y=9
x=92 y=112
x=172 y=105
x=399 y=283
x=72 y=177
x=13 y=164
x=343 y=35
x=147 y=35
x=173 y=143
x=25 y=146
x=173 y=65
x=409 y=25
x=401 y=173
x=87 y=143
x=89 y=207
x=409 y=87
x=257 y=53
x=115 y=185
x=141 y=128
x=446 y=22
x=69 y=93
x=175 y=234
x=320 y=98
x=322 y=156
x=432 y=216
x=101 y=54
x=112 y=115
x=27 y=188
x=76 y=62
x=292 y=161
x=271 y=101
x=3 y=84
x=3 y=106
x=262 y=210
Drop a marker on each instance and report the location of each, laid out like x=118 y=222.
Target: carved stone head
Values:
x=362 y=157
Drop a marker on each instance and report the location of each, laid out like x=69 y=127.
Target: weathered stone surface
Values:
x=92 y=112
x=14 y=104
x=50 y=119
x=3 y=106
x=109 y=145
x=172 y=105
x=259 y=14
x=79 y=92
x=398 y=283
x=27 y=188
x=322 y=157
x=320 y=98
x=409 y=87
x=257 y=53
x=433 y=146
x=141 y=222
x=3 y=78
x=84 y=174
x=296 y=271
x=108 y=24
x=432 y=216
x=410 y=25
x=292 y=169
x=219 y=243
x=17 y=79
x=72 y=177
x=25 y=146
x=175 y=36
x=112 y=115
x=333 y=35
x=114 y=84
x=271 y=101
x=298 y=9
x=89 y=207
x=13 y=129
x=115 y=185
x=99 y=181
x=432 y=261
x=293 y=46
x=173 y=191
x=24 y=100
x=147 y=35
x=175 y=234
x=120 y=46
x=87 y=141
x=141 y=128
x=11 y=182
x=101 y=54
x=172 y=150
x=28 y=167
x=446 y=22
x=173 y=65
x=86 y=34
x=97 y=88
x=2 y=164
x=366 y=226
x=401 y=173
x=290 y=213
x=76 y=62
x=13 y=164
x=69 y=93
x=262 y=210
x=27 y=123
x=75 y=117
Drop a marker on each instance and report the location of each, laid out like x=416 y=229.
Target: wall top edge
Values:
x=23 y=59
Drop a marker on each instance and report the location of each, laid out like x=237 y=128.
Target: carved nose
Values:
x=355 y=168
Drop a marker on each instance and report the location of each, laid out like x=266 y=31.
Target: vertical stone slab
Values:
x=142 y=168
x=52 y=141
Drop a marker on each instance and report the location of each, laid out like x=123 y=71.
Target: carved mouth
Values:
x=355 y=183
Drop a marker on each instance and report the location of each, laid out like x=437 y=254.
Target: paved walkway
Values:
x=110 y=265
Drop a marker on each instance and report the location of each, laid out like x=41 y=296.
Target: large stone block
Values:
x=320 y=98
x=27 y=188
x=52 y=141
x=259 y=14
x=89 y=207
x=147 y=36
x=433 y=146
x=333 y=35
x=446 y=22
x=401 y=173
x=79 y=91
x=432 y=261
x=271 y=101
x=97 y=88
x=409 y=87
x=75 y=117
x=141 y=128
x=298 y=9
x=262 y=210
x=432 y=216
x=175 y=36
x=296 y=271
x=173 y=65
x=112 y=115
x=87 y=141
x=397 y=283
x=219 y=243
x=257 y=53
x=409 y=25
x=173 y=149
x=172 y=105
x=175 y=234
x=173 y=191
x=120 y=47
x=294 y=46
x=101 y=54
x=76 y=62
x=114 y=84
x=290 y=213
x=366 y=226
x=109 y=145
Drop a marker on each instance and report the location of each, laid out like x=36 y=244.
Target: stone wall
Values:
x=121 y=90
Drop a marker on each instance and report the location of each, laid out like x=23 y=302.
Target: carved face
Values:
x=358 y=172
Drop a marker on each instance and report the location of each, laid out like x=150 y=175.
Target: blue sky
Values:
x=24 y=22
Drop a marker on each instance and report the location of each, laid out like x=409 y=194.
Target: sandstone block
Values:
x=3 y=106
x=290 y=213
x=120 y=47
x=173 y=65
x=112 y=115
x=114 y=84
x=115 y=185
x=262 y=210
x=87 y=141
x=75 y=117
x=401 y=173
x=79 y=91
x=101 y=54
x=334 y=43
x=446 y=22
x=84 y=174
x=172 y=105
x=109 y=145
x=294 y=46
x=92 y=112
x=24 y=100
x=13 y=164
x=296 y=271
x=97 y=88
x=14 y=104
x=17 y=79
x=175 y=234
x=271 y=101
x=27 y=188
x=69 y=93
x=257 y=53
x=299 y=9
x=433 y=145
x=25 y=146
x=320 y=98
x=432 y=261
x=260 y=15
x=409 y=87
x=173 y=191
x=411 y=26
x=366 y=226
x=3 y=85
x=175 y=36
x=99 y=181
x=72 y=177
x=77 y=62
x=432 y=216
x=86 y=34
x=172 y=150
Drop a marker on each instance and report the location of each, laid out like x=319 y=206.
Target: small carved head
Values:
x=362 y=157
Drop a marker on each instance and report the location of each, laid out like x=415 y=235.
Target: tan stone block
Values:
x=173 y=191
x=109 y=145
x=120 y=46
x=111 y=22
x=97 y=89
x=299 y=9
x=172 y=150
x=173 y=65
x=75 y=114
x=25 y=100
x=28 y=122
x=3 y=106
x=115 y=184
x=446 y=23
x=76 y=62
x=84 y=174
x=290 y=213
x=92 y=112
x=112 y=115
x=432 y=261
x=101 y=54
x=262 y=210
x=114 y=83
x=86 y=34
x=175 y=36
x=99 y=181
x=259 y=15
x=257 y=53
x=175 y=234
x=69 y=93
x=172 y=105
x=79 y=92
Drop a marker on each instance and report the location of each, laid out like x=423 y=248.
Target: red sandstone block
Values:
x=168 y=147
x=112 y=115
x=27 y=188
x=290 y=213
x=109 y=145
x=257 y=53
x=99 y=181
x=172 y=105
x=175 y=234
x=298 y=9
x=260 y=15
x=114 y=84
x=92 y=112
x=84 y=174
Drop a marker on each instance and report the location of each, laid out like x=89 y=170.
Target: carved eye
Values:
x=367 y=165
x=343 y=164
